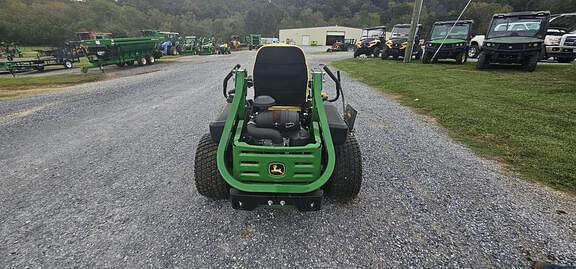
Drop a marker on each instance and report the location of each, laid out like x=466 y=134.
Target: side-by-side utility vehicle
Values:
x=515 y=38
x=370 y=43
x=397 y=44
x=448 y=40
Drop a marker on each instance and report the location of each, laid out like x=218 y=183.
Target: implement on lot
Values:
x=65 y=56
x=121 y=51
x=10 y=50
x=254 y=41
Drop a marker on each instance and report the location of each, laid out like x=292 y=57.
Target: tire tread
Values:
x=208 y=180
x=346 y=180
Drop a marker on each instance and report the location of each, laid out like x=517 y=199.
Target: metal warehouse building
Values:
x=318 y=35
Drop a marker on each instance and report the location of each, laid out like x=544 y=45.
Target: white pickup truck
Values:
x=560 y=39
x=475 y=45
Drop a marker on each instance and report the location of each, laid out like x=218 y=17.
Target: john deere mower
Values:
x=396 y=46
x=448 y=40
x=370 y=43
x=285 y=148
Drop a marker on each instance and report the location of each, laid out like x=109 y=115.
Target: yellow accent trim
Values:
x=305 y=61
x=291 y=108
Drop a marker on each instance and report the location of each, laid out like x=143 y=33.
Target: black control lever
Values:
x=336 y=80
x=227 y=78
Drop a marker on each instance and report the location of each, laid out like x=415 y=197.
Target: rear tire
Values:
x=385 y=54
x=68 y=64
x=473 y=51
x=461 y=58
x=346 y=180
x=151 y=60
x=483 y=61
x=142 y=61
x=377 y=51
x=209 y=183
x=530 y=64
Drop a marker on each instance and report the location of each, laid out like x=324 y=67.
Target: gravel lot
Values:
x=102 y=176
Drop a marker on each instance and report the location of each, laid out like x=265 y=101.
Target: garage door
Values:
x=333 y=36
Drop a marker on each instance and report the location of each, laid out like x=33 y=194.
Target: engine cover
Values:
x=282 y=120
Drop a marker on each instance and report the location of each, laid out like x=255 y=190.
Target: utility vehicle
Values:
x=398 y=42
x=515 y=38
x=448 y=40
x=370 y=43
x=342 y=46
x=288 y=146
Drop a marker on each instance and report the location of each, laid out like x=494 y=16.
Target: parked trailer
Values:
x=65 y=56
x=121 y=51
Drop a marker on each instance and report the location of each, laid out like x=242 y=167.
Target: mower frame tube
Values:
x=231 y=135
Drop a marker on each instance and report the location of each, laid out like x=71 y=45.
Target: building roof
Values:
x=322 y=27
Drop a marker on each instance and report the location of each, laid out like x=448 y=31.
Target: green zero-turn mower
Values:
x=448 y=40
x=285 y=148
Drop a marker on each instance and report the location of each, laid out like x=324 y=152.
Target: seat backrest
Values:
x=280 y=71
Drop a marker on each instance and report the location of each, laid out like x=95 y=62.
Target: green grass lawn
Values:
x=12 y=87
x=525 y=120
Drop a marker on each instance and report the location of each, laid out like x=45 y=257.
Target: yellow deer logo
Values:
x=276 y=169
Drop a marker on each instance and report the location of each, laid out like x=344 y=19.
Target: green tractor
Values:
x=10 y=50
x=448 y=40
x=189 y=46
x=254 y=41
x=285 y=148
x=515 y=38
x=205 y=46
x=171 y=42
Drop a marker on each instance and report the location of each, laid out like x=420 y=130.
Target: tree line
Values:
x=50 y=22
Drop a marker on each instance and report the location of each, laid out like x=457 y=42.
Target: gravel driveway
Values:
x=102 y=176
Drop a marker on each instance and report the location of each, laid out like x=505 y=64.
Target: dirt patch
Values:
x=394 y=96
x=27 y=92
x=25 y=112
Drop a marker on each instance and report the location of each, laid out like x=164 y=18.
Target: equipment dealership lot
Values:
x=101 y=176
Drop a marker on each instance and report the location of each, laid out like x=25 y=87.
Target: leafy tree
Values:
x=50 y=22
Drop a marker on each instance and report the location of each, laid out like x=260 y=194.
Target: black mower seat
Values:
x=280 y=71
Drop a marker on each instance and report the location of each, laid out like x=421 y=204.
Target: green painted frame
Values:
x=230 y=145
